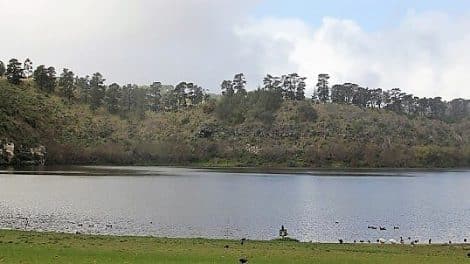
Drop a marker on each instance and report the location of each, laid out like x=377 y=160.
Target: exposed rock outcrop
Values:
x=11 y=155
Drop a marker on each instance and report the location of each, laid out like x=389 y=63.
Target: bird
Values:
x=372 y=227
x=468 y=254
x=430 y=241
x=109 y=226
x=450 y=242
x=396 y=227
x=336 y=222
x=226 y=246
x=340 y=241
x=243 y=260
x=465 y=240
x=242 y=241
x=383 y=228
x=362 y=241
x=402 y=241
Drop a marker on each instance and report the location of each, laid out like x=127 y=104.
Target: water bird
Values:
x=336 y=222
x=109 y=226
x=383 y=228
x=368 y=241
x=354 y=241
x=402 y=241
x=468 y=254
x=450 y=242
x=372 y=227
x=242 y=241
x=243 y=260
x=430 y=241
x=80 y=225
x=362 y=241
x=465 y=240
x=392 y=241
x=340 y=241
x=226 y=246
x=416 y=241
x=396 y=227
x=381 y=241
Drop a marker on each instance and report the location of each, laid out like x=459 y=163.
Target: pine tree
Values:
x=67 y=84
x=14 y=72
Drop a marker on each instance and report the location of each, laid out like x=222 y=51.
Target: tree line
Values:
x=236 y=100
x=91 y=90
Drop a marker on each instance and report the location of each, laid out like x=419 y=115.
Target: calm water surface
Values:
x=313 y=206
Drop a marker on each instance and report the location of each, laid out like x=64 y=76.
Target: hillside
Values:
x=332 y=135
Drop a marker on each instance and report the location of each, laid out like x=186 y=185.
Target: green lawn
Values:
x=31 y=247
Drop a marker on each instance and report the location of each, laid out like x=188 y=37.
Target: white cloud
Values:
x=206 y=41
x=426 y=55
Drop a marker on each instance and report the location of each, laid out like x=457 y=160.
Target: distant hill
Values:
x=297 y=133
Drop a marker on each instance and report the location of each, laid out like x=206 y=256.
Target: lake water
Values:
x=320 y=206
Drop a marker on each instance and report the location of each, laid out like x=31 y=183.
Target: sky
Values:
x=418 y=46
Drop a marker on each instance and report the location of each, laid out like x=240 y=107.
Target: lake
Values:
x=319 y=206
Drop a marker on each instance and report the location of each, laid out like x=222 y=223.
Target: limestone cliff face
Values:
x=9 y=155
x=7 y=152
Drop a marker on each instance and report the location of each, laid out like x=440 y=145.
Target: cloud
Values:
x=131 y=41
x=425 y=55
x=206 y=41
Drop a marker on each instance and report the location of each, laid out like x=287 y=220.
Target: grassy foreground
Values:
x=32 y=247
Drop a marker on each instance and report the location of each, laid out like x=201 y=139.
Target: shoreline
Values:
x=35 y=247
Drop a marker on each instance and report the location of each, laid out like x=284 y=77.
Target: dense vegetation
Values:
x=83 y=121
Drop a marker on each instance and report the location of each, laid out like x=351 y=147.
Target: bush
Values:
x=306 y=112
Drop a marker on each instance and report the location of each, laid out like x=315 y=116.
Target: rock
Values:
x=7 y=152
x=39 y=154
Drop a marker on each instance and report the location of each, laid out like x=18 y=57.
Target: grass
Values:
x=33 y=247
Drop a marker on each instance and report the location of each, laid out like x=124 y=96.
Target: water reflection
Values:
x=314 y=205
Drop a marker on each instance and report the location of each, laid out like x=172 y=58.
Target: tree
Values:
x=154 y=96
x=83 y=86
x=27 y=68
x=272 y=83
x=239 y=84
x=45 y=78
x=126 y=97
x=323 y=92
x=180 y=94
x=195 y=94
x=227 y=88
x=2 y=69
x=300 y=89
x=113 y=97
x=97 y=90
x=67 y=84
x=14 y=72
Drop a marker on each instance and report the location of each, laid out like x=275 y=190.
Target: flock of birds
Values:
x=244 y=260
x=392 y=241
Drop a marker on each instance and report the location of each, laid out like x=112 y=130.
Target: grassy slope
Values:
x=30 y=247
x=343 y=135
